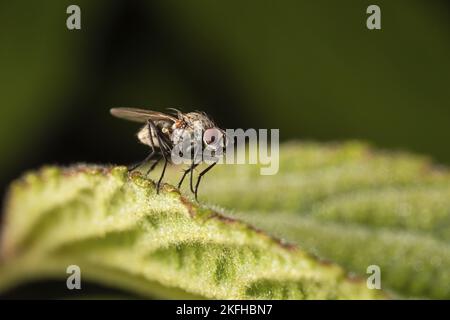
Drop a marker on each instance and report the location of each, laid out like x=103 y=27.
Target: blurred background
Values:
x=310 y=68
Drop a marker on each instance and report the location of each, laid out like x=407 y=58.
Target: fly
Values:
x=163 y=131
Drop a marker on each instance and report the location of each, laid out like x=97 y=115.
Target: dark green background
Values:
x=310 y=68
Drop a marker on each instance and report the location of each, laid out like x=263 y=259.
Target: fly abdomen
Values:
x=144 y=137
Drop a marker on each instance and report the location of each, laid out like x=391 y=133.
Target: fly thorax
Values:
x=179 y=135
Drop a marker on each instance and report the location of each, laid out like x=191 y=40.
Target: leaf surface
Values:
x=115 y=227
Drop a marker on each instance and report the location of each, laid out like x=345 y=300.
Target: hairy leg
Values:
x=200 y=177
x=185 y=173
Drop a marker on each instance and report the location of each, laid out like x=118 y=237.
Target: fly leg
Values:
x=191 y=179
x=201 y=174
x=154 y=165
x=140 y=163
x=164 y=147
x=192 y=171
x=162 y=175
x=191 y=168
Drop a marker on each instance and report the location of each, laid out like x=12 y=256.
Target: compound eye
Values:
x=212 y=137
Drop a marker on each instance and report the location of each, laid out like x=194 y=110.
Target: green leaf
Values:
x=353 y=205
x=121 y=233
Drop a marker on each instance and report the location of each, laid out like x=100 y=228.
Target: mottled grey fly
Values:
x=163 y=131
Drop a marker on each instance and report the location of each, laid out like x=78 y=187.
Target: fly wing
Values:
x=141 y=115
